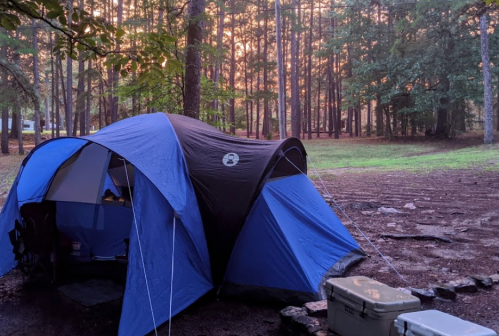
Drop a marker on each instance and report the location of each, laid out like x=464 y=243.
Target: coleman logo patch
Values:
x=230 y=159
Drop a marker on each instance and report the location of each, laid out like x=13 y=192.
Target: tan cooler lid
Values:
x=373 y=294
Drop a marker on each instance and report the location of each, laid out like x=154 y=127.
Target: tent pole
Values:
x=171 y=280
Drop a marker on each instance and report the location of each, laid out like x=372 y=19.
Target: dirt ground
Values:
x=461 y=205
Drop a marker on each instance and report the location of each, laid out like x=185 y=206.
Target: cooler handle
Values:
x=332 y=297
x=363 y=312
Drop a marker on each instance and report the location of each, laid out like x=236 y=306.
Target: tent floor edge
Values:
x=265 y=295
x=340 y=268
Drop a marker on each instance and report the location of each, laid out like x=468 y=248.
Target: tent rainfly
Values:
x=237 y=214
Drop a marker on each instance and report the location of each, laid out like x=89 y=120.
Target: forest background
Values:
x=367 y=68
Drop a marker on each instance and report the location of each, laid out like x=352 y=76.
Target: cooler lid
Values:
x=372 y=294
x=434 y=322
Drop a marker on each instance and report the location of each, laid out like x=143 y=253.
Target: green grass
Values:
x=426 y=157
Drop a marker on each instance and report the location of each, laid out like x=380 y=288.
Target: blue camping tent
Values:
x=237 y=213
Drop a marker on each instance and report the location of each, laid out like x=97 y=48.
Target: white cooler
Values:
x=359 y=306
x=437 y=323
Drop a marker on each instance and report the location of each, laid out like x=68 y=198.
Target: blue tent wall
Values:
x=8 y=215
x=101 y=229
x=32 y=187
x=43 y=163
x=290 y=240
x=155 y=225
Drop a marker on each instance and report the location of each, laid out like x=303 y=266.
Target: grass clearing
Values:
x=328 y=154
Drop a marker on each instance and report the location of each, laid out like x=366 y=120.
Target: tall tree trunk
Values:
x=388 y=130
x=368 y=118
x=52 y=89
x=395 y=121
x=57 y=98
x=298 y=58
x=318 y=126
x=17 y=111
x=339 y=125
x=69 y=78
x=80 y=99
x=309 y=91
x=13 y=128
x=89 y=97
x=266 y=129
x=192 y=92
x=257 y=117
x=497 y=107
x=17 y=102
x=36 y=83
x=295 y=94
x=331 y=97
x=102 y=102
x=220 y=35
x=4 y=146
x=280 y=73
x=232 y=75
x=379 y=114
x=487 y=82
x=116 y=75
x=5 y=122
x=358 y=120
x=246 y=97
x=350 y=121
x=47 y=110
x=251 y=95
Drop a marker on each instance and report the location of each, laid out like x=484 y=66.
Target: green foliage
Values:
x=88 y=34
x=426 y=51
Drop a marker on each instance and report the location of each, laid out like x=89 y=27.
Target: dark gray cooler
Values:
x=359 y=306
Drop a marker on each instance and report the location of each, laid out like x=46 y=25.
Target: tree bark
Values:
x=4 y=146
x=52 y=89
x=216 y=76
x=487 y=83
x=309 y=116
x=17 y=103
x=266 y=127
x=368 y=133
x=116 y=75
x=89 y=98
x=80 y=101
x=280 y=73
x=232 y=75
x=69 y=78
x=295 y=99
x=5 y=124
x=497 y=107
x=388 y=130
x=337 y=130
x=58 y=98
x=13 y=128
x=47 y=110
x=246 y=96
x=36 y=83
x=192 y=92
x=379 y=115
x=318 y=126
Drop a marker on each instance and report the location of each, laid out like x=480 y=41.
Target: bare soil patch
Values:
x=462 y=206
